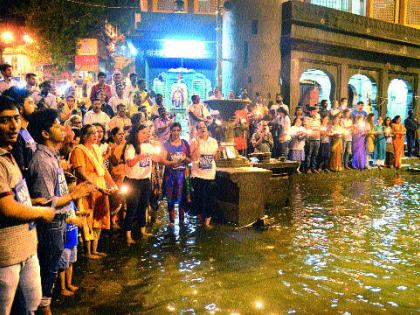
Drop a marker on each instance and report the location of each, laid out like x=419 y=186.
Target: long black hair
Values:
x=132 y=137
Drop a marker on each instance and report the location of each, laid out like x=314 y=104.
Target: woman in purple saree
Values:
x=359 y=144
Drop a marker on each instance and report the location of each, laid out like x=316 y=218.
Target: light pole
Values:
x=219 y=47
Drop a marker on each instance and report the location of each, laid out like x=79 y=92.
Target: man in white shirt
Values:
x=132 y=87
x=7 y=82
x=117 y=80
x=45 y=99
x=197 y=112
x=96 y=115
x=118 y=98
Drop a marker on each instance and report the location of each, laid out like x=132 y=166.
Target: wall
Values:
x=259 y=71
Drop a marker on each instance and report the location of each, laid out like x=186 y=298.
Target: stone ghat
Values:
x=245 y=192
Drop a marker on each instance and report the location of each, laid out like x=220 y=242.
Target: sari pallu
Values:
x=96 y=204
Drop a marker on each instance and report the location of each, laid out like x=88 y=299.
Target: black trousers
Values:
x=138 y=200
x=204 y=193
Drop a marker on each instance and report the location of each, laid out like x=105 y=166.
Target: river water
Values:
x=342 y=245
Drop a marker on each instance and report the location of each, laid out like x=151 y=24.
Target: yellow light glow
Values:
x=259 y=305
x=28 y=39
x=124 y=189
x=157 y=150
x=170 y=308
x=7 y=37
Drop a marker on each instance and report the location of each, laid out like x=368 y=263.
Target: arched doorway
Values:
x=362 y=88
x=400 y=98
x=314 y=86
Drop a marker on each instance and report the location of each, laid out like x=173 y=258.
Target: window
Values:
x=352 y=6
x=246 y=52
x=384 y=10
x=255 y=27
x=413 y=12
x=168 y=5
x=206 y=6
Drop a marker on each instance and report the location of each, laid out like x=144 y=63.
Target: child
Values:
x=297 y=143
x=69 y=255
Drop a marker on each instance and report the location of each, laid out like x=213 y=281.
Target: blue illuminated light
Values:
x=184 y=49
x=132 y=49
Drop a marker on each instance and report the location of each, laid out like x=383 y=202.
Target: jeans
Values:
x=411 y=136
x=311 y=153
x=346 y=153
x=25 y=274
x=137 y=202
x=51 y=239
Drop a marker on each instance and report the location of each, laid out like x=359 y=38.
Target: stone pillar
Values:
x=383 y=92
x=150 y=5
x=342 y=86
x=416 y=98
x=254 y=26
x=191 y=6
x=295 y=73
x=403 y=12
x=369 y=8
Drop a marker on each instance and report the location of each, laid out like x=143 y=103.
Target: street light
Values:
x=27 y=39
x=7 y=37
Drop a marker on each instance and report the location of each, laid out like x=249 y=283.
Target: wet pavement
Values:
x=341 y=245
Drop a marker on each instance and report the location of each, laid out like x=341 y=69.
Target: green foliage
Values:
x=59 y=23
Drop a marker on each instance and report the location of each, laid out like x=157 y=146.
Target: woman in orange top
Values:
x=399 y=131
x=86 y=161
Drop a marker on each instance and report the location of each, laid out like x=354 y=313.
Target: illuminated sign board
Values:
x=191 y=49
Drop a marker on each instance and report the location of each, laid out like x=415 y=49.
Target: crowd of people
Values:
x=71 y=167
x=324 y=140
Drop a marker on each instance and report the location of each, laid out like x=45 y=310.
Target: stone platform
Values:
x=278 y=167
x=242 y=194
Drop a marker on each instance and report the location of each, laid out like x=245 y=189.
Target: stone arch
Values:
x=316 y=82
x=400 y=98
x=362 y=87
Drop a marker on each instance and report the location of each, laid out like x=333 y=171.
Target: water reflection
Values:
x=347 y=246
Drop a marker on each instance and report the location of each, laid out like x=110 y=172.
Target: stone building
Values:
x=359 y=50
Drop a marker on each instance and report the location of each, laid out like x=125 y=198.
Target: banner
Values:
x=87 y=47
x=86 y=58
x=86 y=63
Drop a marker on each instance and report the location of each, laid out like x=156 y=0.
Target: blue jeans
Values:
x=311 y=154
x=411 y=137
x=51 y=239
x=26 y=275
